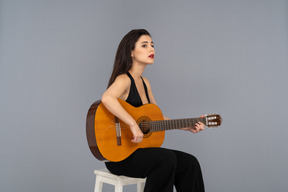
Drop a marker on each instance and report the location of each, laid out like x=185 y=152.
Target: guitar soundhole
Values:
x=144 y=125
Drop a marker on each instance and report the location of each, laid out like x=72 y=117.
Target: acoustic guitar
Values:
x=109 y=138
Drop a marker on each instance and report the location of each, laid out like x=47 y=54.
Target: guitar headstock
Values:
x=213 y=120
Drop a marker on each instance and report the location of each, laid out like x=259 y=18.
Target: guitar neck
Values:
x=175 y=124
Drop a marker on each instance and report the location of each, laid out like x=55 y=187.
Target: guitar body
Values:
x=101 y=130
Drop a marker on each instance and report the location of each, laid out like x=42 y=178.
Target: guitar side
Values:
x=90 y=131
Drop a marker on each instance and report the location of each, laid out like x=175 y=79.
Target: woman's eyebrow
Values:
x=147 y=42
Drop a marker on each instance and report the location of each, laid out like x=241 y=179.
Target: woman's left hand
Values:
x=197 y=128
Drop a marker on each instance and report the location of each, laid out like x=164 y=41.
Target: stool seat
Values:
x=104 y=176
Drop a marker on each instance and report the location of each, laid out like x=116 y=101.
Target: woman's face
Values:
x=144 y=50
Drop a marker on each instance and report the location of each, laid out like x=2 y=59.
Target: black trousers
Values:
x=163 y=169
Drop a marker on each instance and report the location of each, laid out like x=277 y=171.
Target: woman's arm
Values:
x=118 y=90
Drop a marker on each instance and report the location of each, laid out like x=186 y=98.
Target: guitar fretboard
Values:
x=174 y=124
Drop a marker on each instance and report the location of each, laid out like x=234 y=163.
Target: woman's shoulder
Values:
x=123 y=78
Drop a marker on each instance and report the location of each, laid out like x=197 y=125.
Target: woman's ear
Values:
x=132 y=54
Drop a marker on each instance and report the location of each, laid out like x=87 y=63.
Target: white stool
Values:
x=104 y=176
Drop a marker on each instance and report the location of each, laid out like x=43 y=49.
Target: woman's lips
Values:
x=151 y=56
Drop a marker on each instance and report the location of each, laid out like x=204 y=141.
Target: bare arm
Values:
x=118 y=90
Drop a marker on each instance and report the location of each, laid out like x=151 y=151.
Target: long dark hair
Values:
x=123 y=59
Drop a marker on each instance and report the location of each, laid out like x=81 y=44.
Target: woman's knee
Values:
x=168 y=158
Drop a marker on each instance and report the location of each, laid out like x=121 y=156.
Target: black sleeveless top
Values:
x=134 y=97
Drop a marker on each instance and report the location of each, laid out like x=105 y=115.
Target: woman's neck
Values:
x=137 y=70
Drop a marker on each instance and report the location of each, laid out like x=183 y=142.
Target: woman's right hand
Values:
x=137 y=133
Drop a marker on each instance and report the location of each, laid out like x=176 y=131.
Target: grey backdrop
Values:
x=225 y=56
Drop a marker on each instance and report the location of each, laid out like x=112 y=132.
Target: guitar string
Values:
x=170 y=122
x=163 y=125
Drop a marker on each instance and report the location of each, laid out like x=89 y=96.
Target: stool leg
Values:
x=140 y=186
x=98 y=184
x=118 y=187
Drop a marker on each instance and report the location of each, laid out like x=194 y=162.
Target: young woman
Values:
x=162 y=167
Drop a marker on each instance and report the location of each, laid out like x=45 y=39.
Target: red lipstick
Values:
x=151 y=56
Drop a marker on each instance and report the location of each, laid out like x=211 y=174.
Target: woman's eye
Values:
x=147 y=46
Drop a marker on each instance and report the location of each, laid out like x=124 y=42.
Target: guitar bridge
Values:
x=118 y=131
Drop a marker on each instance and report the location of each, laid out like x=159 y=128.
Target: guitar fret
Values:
x=158 y=127
x=192 y=122
x=154 y=126
x=170 y=124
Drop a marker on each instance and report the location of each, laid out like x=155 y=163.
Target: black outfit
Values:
x=134 y=97
x=162 y=167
